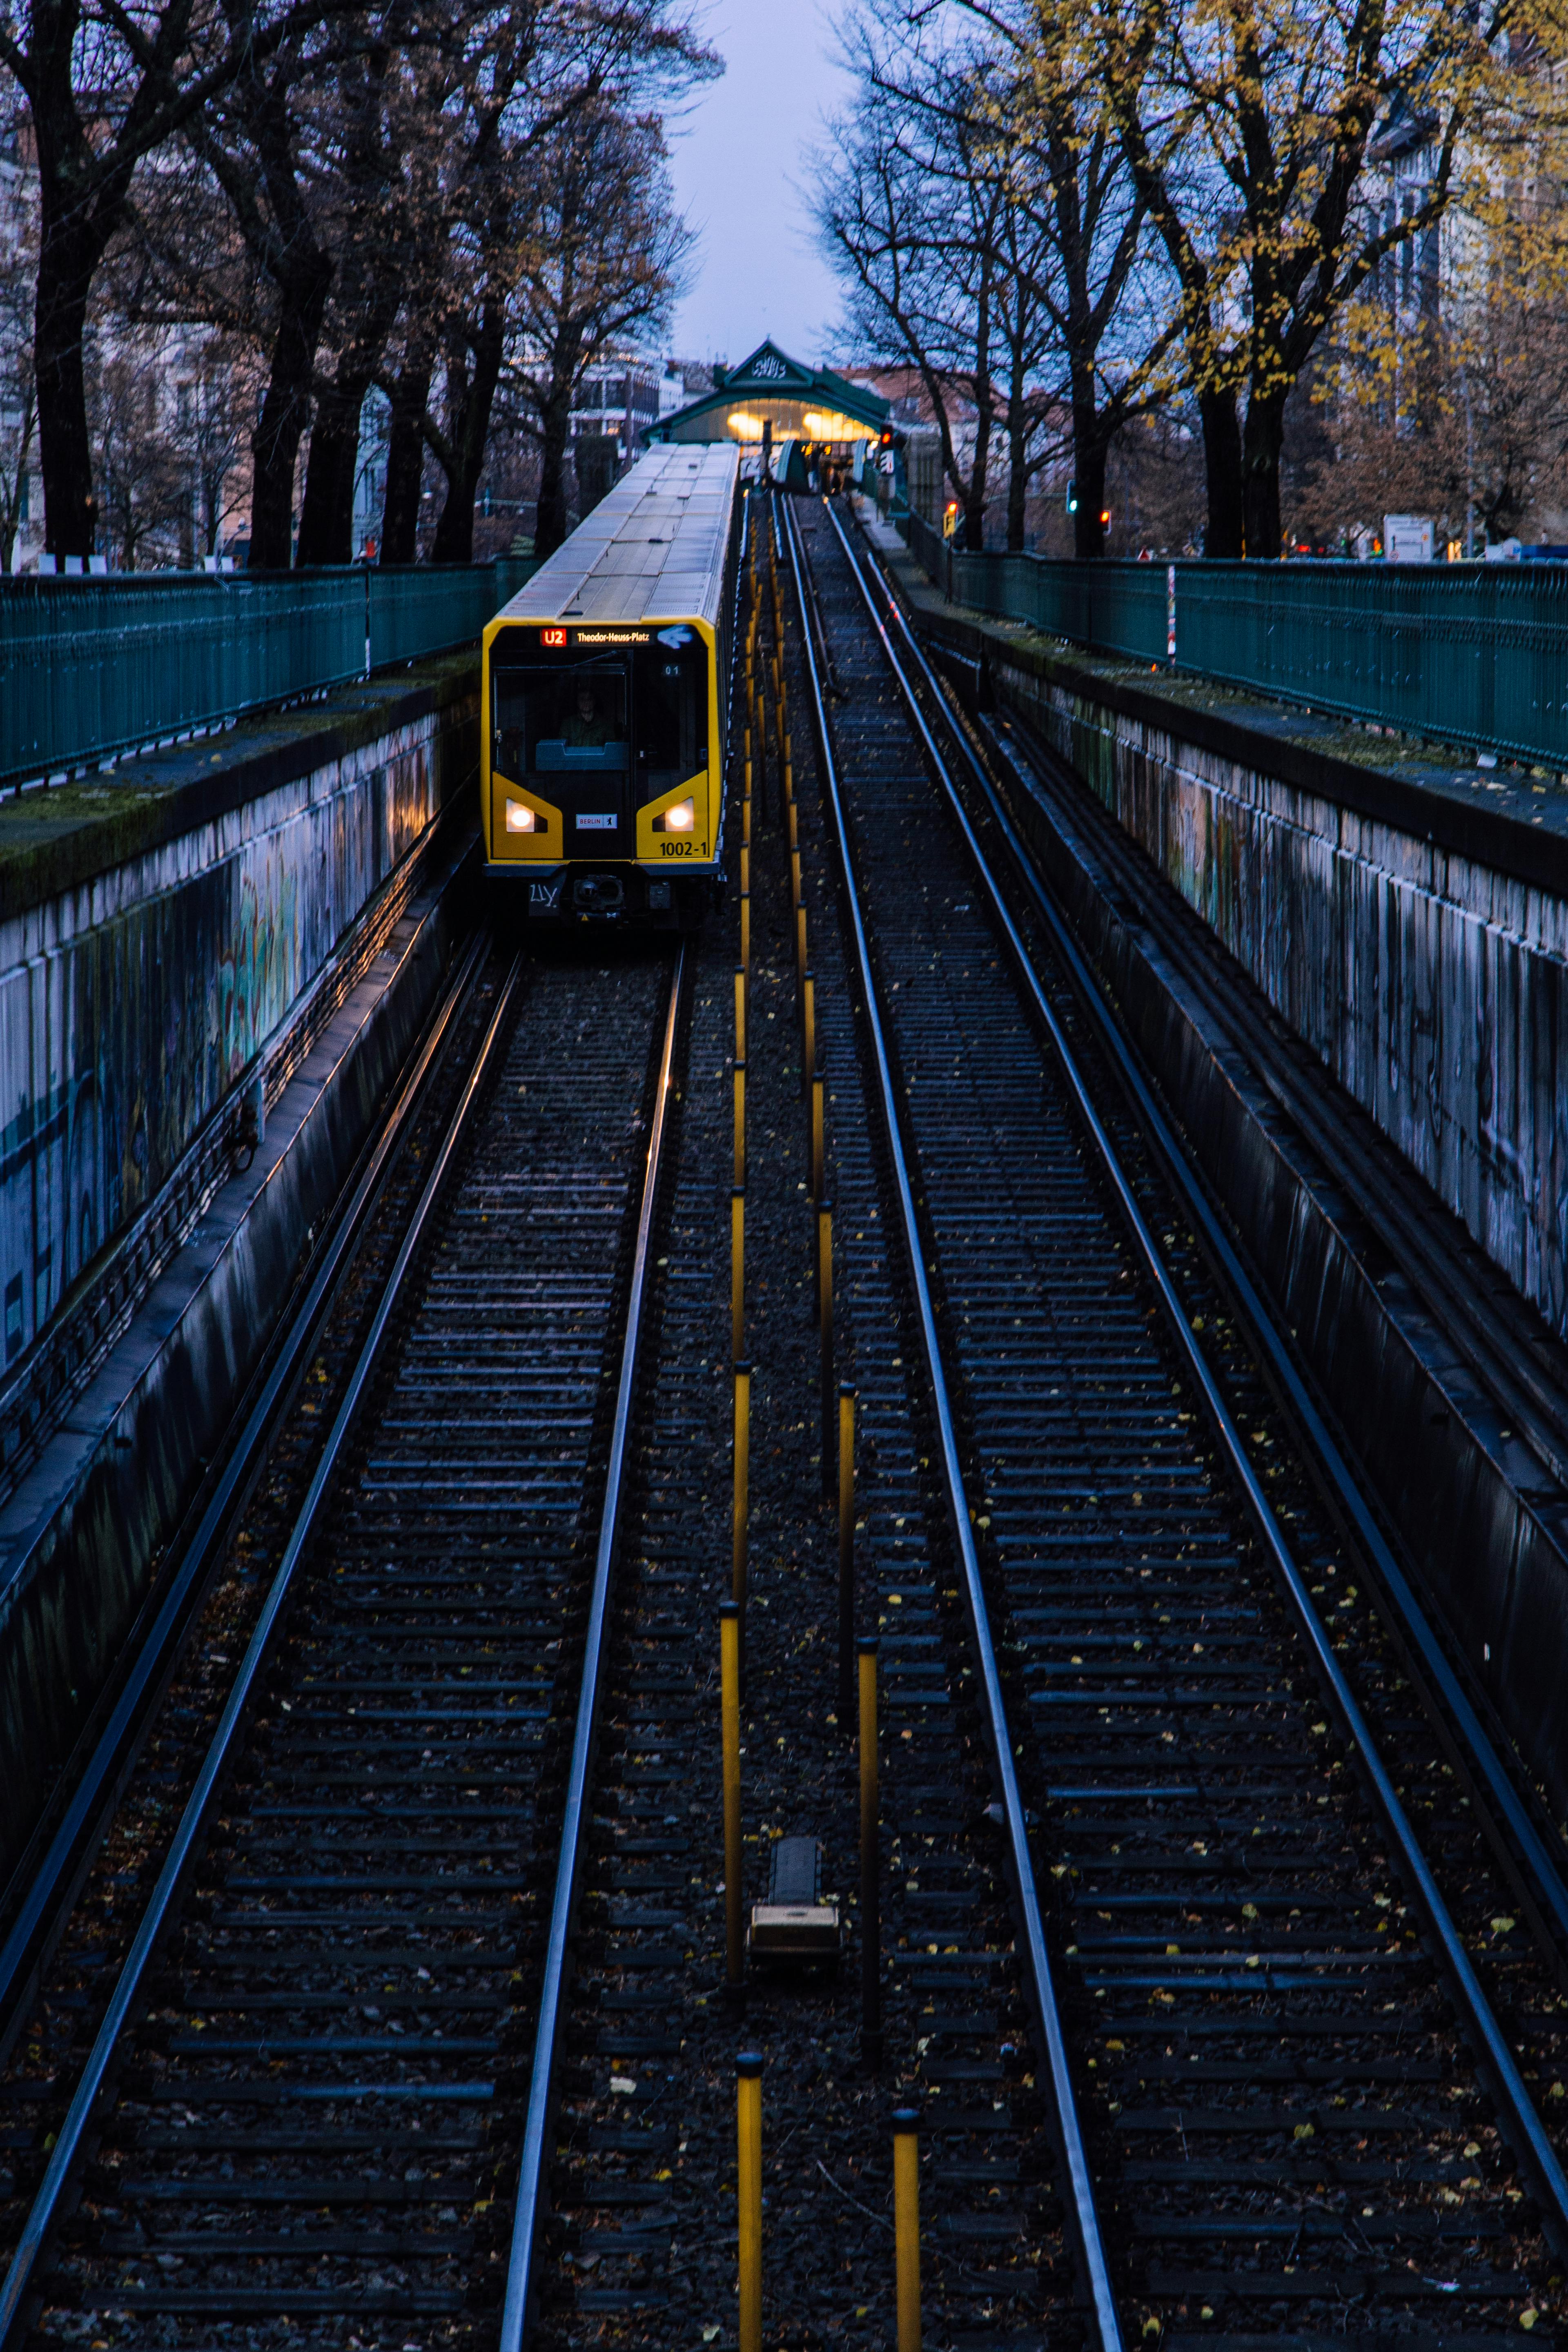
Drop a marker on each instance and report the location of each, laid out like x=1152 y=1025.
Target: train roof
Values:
x=653 y=549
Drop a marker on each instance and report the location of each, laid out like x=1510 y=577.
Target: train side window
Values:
x=670 y=686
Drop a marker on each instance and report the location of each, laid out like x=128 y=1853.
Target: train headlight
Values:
x=681 y=818
x=519 y=819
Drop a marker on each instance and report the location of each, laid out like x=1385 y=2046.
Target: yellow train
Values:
x=605 y=691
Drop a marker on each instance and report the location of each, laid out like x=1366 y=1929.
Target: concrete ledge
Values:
x=80 y=1535
x=58 y=840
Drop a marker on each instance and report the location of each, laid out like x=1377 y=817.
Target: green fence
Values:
x=95 y=667
x=1474 y=654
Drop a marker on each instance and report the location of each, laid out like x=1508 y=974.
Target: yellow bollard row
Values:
x=729 y=1713
x=870 y=1875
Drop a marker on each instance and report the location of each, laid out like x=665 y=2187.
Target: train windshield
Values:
x=646 y=711
x=560 y=717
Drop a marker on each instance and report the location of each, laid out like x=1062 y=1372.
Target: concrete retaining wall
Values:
x=1419 y=948
x=139 y=985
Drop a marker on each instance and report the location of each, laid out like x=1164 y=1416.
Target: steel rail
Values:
x=47 y=1888
x=40 y=2219
x=1532 y=2148
x=1547 y=1869
x=1069 y=2129
x=530 y=2185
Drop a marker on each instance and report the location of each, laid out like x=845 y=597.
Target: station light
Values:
x=519 y=819
x=1072 y=497
x=950 y=518
x=1105 y=518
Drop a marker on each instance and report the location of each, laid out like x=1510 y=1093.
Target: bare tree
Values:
x=106 y=87
x=141 y=482
x=913 y=211
x=18 y=393
x=625 y=61
x=601 y=256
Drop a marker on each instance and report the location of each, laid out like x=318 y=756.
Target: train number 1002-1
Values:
x=677 y=848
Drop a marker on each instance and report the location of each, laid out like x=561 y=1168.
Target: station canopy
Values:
x=802 y=403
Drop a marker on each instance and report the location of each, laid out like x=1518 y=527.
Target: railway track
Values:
x=312 y=2068
x=1270 y=1998
x=394 y=2011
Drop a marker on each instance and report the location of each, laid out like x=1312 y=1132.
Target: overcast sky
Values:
x=735 y=158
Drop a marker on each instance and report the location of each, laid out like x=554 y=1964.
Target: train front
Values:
x=603 y=789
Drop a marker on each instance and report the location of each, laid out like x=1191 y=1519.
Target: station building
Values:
x=826 y=417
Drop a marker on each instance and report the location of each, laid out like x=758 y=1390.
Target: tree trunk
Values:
x=1264 y=439
x=406 y=462
x=327 y=509
x=275 y=443
x=470 y=431
x=1223 y=539
x=66 y=266
x=1088 y=449
x=1018 y=456
x=550 y=516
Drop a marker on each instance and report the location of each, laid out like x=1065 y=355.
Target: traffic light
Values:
x=1072 y=497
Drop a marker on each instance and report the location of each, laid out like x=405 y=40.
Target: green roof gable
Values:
x=768 y=380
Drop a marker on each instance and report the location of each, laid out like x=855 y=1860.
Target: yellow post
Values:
x=793 y=832
x=795 y=877
x=729 y=1715
x=845 y=1548
x=741 y=1123
x=745 y=819
x=907 y=2225
x=749 y=2181
x=808 y=1033
x=746 y=866
x=741 y=1011
x=870 y=1876
x=819 y=1125
x=746 y=931
x=800 y=938
x=789 y=767
x=742 y=1484
x=737 y=1270
x=825 y=1319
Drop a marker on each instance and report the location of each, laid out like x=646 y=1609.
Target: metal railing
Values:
x=92 y=667
x=1472 y=653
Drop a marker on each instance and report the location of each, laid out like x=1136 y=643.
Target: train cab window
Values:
x=558 y=719
x=671 y=685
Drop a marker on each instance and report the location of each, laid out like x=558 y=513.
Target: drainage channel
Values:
x=313 y=2069
x=1287 y=2135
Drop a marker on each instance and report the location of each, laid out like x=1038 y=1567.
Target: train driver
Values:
x=584 y=730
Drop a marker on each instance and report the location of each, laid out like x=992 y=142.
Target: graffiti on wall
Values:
x=119 y=1038
x=1435 y=989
